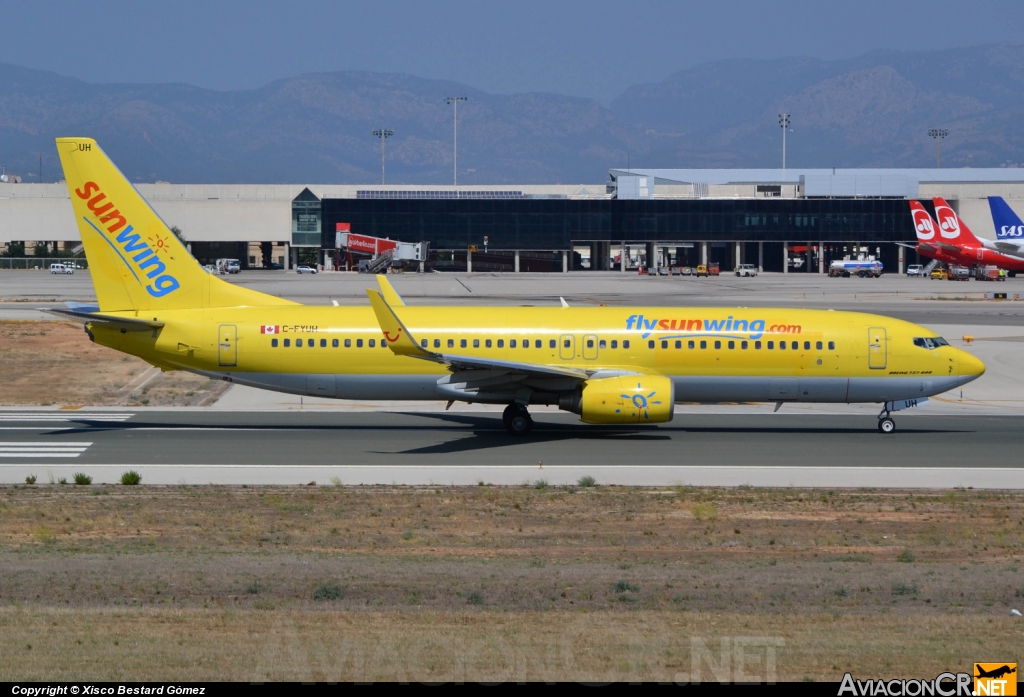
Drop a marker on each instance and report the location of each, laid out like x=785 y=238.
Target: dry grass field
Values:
x=513 y=583
x=54 y=363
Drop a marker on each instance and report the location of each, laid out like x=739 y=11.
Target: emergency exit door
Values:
x=227 y=349
x=567 y=347
x=877 y=347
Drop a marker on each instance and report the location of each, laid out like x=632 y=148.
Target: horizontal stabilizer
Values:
x=128 y=324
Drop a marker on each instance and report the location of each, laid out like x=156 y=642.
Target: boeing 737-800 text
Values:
x=609 y=365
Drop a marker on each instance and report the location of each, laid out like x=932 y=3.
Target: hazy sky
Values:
x=592 y=48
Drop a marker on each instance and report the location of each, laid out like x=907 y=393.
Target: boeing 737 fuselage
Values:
x=609 y=365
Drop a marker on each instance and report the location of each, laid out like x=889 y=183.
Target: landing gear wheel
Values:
x=506 y=416
x=886 y=425
x=517 y=420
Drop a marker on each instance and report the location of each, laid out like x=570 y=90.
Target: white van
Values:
x=61 y=268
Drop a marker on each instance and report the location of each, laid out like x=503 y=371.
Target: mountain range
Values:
x=872 y=111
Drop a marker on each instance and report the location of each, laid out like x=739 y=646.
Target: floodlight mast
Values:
x=938 y=134
x=784 y=122
x=383 y=134
x=454 y=101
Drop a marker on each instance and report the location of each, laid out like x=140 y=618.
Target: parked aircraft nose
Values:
x=970 y=366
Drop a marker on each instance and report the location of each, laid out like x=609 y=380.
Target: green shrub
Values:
x=587 y=481
x=906 y=556
x=131 y=478
x=901 y=588
x=475 y=598
x=704 y=512
x=540 y=484
x=82 y=479
x=30 y=479
x=328 y=591
x=62 y=480
x=255 y=587
x=626 y=587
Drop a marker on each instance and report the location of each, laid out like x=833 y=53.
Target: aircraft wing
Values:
x=500 y=373
x=1009 y=248
x=942 y=247
x=126 y=324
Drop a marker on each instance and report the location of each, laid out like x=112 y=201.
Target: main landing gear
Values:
x=517 y=420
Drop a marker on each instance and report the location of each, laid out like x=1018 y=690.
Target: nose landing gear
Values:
x=885 y=422
x=517 y=420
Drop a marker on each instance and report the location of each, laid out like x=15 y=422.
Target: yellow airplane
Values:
x=609 y=365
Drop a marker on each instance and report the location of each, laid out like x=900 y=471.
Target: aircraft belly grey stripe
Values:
x=790 y=389
x=687 y=388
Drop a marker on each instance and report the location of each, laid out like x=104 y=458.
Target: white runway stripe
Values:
x=69 y=416
x=23 y=449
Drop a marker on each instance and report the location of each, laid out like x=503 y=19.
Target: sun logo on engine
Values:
x=640 y=401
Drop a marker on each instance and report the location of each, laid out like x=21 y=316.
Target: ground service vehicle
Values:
x=713 y=269
x=305 y=269
x=989 y=273
x=746 y=270
x=915 y=270
x=939 y=273
x=609 y=365
x=702 y=270
x=958 y=273
x=862 y=268
x=61 y=269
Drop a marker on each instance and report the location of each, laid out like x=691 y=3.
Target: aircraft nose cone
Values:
x=970 y=366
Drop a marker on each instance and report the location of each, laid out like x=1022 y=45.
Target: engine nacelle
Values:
x=627 y=399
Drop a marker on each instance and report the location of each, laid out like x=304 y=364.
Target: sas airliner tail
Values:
x=136 y=262
x=1008 y=225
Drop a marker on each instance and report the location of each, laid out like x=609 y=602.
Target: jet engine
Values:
x=626 y=399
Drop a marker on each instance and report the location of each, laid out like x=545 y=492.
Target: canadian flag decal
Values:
x=270 y=329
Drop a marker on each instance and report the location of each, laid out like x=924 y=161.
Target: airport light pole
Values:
x=784 y=122
x=454 y=101
x=938 y=134
x=383 y=134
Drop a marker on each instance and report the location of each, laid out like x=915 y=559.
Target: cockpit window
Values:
x=932 y=342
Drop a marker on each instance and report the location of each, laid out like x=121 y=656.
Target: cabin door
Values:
x=877 y=347
x=589 y=347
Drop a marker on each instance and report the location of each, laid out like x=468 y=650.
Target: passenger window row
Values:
x=770 y=345
x=518 y=343
x=552 y=343
x=335 y=343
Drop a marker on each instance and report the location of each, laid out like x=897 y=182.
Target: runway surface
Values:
x=816 y=450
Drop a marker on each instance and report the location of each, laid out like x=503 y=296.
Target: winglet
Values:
x=388 y=291
x=400 y=341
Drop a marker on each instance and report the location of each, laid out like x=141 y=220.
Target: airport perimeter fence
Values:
x=41 y=263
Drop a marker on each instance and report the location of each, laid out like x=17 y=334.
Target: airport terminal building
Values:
x=793 y=220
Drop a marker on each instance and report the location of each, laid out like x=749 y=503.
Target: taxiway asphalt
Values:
x=192 y=446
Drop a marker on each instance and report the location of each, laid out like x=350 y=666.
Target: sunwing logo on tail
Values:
x=120 y=235
x=923 y=224
x=949 y=226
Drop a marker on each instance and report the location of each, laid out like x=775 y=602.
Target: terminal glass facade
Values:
x=557 y=223
x=306 y=218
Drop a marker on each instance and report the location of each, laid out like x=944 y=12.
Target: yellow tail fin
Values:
x=135 y=260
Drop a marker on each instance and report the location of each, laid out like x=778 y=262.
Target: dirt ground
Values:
x=54 y=363
x=513 y=583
